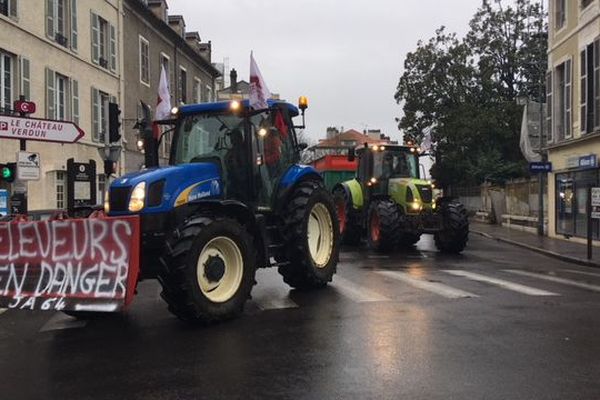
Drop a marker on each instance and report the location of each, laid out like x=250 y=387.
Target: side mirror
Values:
x=351 y=154
x=302 y=146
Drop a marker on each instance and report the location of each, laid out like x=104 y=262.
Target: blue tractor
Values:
x=233 y=198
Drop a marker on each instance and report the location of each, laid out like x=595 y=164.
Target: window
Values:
x=6 y=82
x=104 y=43
x=182 y=85
x=100 y=102
x=144 y=61
x=101 y=187
x=61 y=22
x=60 y=189
x=590 y=88
x=209 y=96
x=25 y=78
x=197 y=91
x=559 y=13
x=62 y=97
x=549 y=108
x=165 y=62
x=563 y=100
x=8 y=8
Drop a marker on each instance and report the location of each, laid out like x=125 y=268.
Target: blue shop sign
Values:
x=583 y=162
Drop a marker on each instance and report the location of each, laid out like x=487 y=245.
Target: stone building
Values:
x=67 y=57
x=153 y=39
x=573 y=109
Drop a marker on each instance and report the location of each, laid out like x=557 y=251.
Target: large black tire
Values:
x=310 y=201
x=224 y=243
x=383 y=221
x=455 y=228
x=350 y=231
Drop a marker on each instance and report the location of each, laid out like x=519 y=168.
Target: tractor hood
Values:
x=166 y=187
x=422 y=192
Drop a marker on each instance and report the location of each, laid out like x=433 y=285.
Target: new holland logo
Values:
x=215 y=188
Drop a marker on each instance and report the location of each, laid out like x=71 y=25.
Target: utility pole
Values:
x=543 y=155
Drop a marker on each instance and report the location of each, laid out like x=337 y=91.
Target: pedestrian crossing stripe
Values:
x=516 y=287
x=555 y=279
x=572 y=271
x=356 y=292
x=2 y=310
x=433 y=287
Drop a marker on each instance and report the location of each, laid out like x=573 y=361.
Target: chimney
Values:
x=159 y=8
x=233 y=77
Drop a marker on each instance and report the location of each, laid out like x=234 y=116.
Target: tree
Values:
x=463 y=92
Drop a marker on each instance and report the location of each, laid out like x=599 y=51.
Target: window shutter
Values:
x=50 y=18
x=75 y=101
x=95 y=114
x=549 y=105
x=596 y=105
x=74 y=35
x=568 y=98
x=25 y=77
x=113 y=48
x=95 y=38
x=50 y=94
x=13 y=8
x=583 y=91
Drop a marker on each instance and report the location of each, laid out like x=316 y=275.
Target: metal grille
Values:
x=119 y=198
x=426 y=193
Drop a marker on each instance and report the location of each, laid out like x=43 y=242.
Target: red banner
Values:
x=75 y=264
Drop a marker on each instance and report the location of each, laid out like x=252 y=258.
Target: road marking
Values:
x=433 y=287
x=582 y=285
x=274 y=300
x=2 y=311
x=501 y=283
x=355 y=292
x=62 y=321
x=97 y=307
x=581 y=272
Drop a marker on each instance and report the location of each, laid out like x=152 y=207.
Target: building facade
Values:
x=66 y=56
x=573 y=114
x=155 y=39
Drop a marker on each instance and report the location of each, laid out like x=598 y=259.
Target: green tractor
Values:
x=392 y=206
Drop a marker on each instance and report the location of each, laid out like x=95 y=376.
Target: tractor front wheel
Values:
x=455 y=228
x=208 y=271
x=311 y=233
x=350 y=231
x=382 y=225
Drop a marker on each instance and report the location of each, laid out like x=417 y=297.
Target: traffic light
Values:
x=114 y=122
x=9 y=172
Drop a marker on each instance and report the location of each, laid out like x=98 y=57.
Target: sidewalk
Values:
x=561 y=249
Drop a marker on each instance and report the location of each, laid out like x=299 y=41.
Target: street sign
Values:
x=3 y=202
x=28 y=166
x=24 y=107
x=537 y=167
x=44 y=130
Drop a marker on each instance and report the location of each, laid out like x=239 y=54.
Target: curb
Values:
x=573 y=260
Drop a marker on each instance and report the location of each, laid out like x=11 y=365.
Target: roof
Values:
x=222 y=106
x=242 y=87
x=348 y=136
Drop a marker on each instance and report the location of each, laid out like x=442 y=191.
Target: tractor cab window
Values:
x=275 y=149
x=396 y=165
x=217 y=139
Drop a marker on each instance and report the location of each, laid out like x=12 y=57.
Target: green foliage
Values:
x=463 y=91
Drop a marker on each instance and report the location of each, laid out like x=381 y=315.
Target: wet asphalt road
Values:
x=498 y=322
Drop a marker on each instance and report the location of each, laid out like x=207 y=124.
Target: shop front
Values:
x=571 y=195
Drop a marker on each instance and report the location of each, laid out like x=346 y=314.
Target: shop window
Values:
x=571 y=203
x=60 y=185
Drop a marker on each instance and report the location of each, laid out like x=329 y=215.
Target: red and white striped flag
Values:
x=259 y=93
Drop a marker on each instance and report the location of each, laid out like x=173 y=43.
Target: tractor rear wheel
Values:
x=350 y=232
x=382 y=225
x=208 y=271
x=455 y=228
x=311 y=233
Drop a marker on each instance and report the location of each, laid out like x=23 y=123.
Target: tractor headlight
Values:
x=107 y=201
x=138 y=195
x=415 y=205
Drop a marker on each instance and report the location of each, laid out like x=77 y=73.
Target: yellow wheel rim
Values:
x=222 y=255
x=320 y=235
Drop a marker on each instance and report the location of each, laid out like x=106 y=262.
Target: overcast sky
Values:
x=346 y=56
